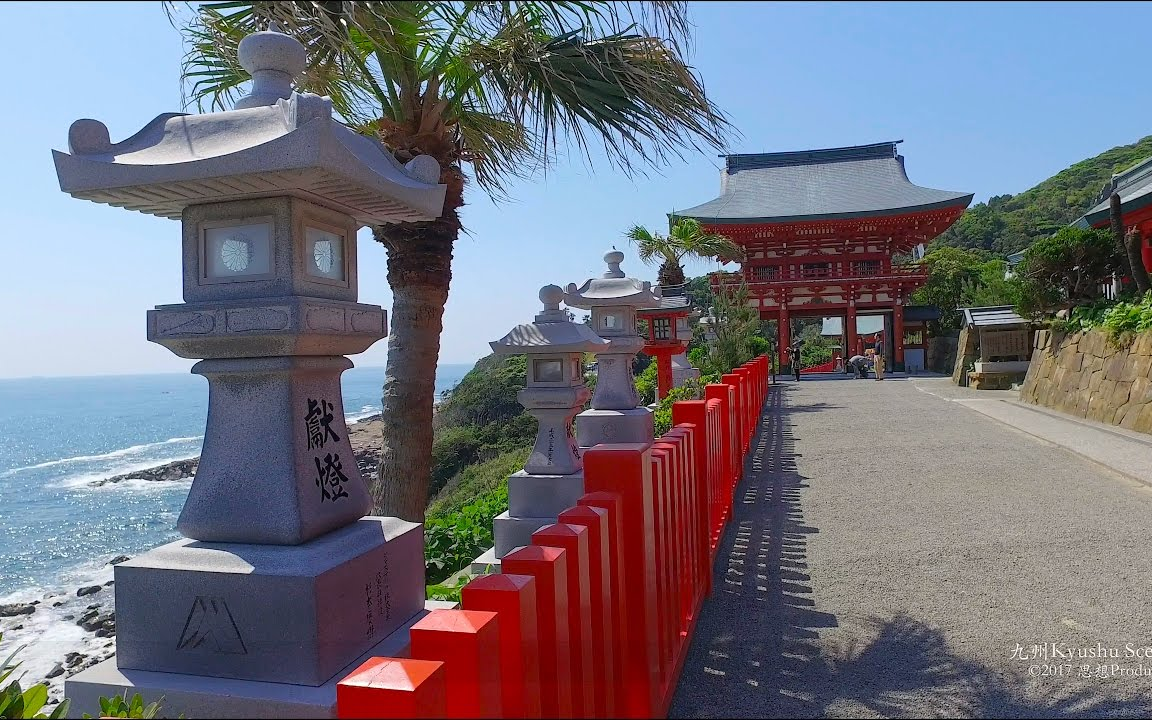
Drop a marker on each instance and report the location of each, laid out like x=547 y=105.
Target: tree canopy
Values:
x=1009 y=223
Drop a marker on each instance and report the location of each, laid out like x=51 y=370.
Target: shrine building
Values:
x=820 y=230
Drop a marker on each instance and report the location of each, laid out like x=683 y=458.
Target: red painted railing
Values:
x=595 y=618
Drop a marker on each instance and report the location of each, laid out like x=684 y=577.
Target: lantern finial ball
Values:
x=551 y=295
x=613 y=258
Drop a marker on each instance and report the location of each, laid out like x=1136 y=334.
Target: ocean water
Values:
x=60 y=435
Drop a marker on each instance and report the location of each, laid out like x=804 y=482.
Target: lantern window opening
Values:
x=547 y=370
x=661 y=328
x=237 y=250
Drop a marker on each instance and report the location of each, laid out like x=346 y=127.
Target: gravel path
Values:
x=889 y=553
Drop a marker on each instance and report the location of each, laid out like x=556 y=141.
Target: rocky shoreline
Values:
x=90 y=608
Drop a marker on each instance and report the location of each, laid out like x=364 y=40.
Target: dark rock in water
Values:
x=14 y=609
x=103 y=633
x=118 y=559
x=73 y=658
x=18 y=627
x=69 y=617
x=91 y=624
x=56 y=671
x=58 y=603
x=94 y=606
x=34 y=602
x=173 y=471
x=109 y=583
x=88 y=590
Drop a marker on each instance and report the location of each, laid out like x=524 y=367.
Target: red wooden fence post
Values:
x=513 y=599
x=685 y=574
x=465 y=641
x=393 y=688
x=666 y=601
x=549 y=567
x=574 y=540
x=610 y=504
x=693 y=412
x=626 y=469
x=605 y=620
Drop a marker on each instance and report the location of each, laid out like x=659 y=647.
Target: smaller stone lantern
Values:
x=614 y=299
x=553 y=479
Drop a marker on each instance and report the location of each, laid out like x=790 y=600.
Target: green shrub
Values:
x=18 y=703
x=662 y=416
x=476 y=480
x=454 y=540
x=646 y=385
x=119 y=706
x=454 y=449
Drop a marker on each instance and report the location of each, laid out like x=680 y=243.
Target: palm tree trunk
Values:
x=419 y=272
x=670 y=273
x=1116 y=224
x=1133 y=244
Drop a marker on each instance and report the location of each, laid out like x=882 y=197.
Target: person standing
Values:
x=878 y=358
x=794 y=354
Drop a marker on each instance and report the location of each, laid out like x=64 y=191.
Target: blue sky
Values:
x=989 y=98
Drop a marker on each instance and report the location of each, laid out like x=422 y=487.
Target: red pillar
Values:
x=466 y=641
x=393 y=688
x=898 y=334
x=626 y=469
x=783 y=333
x=513 y=599
x=549 y=567
x=663 y=374
x=573 y=539
x=850 y=328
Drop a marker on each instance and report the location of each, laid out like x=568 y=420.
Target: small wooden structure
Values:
x=998 y=344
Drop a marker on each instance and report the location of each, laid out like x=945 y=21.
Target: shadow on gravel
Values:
x=756 y=652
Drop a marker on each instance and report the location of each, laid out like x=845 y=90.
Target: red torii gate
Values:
x=819 y=230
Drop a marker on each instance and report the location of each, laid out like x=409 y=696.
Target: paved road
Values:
x=890 y=551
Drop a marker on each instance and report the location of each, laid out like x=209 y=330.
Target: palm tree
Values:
x=491 y=86
x=686 y=238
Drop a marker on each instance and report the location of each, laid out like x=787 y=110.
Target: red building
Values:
x=820 y=229
x=1134 y=186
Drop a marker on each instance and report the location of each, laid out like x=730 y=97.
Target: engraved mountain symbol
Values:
x=210 y=627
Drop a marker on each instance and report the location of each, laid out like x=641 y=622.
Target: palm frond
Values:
x=500 y=85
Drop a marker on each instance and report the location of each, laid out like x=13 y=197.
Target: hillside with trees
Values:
x=1009 y=223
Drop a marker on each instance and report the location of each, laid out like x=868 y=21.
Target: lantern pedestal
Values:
x=201 y=696
x=533 y=502
x=268 y=612
x=594 y=427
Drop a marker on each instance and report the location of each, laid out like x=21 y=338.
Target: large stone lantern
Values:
x=553 y=479
x=614 y=300
x=280 y=582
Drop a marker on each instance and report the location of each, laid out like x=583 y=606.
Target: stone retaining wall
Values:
x=1082 y=374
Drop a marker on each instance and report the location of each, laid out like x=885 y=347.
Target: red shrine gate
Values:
x=820 y=228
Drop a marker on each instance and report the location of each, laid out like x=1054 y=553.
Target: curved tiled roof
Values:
x=836 y=183
x=1135 y=188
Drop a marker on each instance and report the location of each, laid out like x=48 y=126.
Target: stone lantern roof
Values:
x=613 y=289
x=276 y=142
x=550 y=333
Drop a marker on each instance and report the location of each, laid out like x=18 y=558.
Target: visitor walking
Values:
x=878 y=358
x=794 y=353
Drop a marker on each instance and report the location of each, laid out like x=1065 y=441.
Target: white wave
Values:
x=89 y=479
x=365 y=412
x=123 y=452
